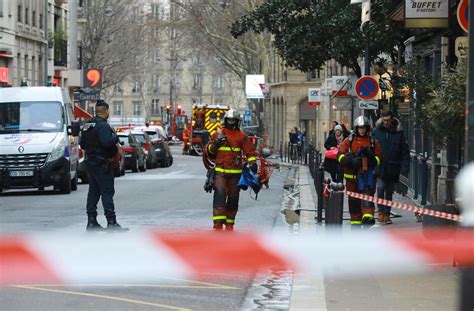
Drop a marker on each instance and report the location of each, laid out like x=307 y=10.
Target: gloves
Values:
x=253 y=167
x=356 y=163
x=221 y=138
x=366 y=152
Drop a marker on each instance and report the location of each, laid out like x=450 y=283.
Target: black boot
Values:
x=112 y=223
x=92 y=224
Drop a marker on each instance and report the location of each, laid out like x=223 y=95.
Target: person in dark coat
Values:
x=99 y=142
x=332 y=165
x=396 y=160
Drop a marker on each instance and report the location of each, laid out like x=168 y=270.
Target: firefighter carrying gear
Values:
x=359 y=155
x=186 y=139
x=227 y=147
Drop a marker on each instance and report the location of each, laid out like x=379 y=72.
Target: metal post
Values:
x=319 y=191
x=467 y=275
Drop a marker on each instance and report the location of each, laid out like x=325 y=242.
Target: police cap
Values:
x=102 y=103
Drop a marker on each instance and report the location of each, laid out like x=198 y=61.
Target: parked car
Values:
x=119 y=165
x=159 y=140
x=119 y=162
x=134 y=154
x=145 y=141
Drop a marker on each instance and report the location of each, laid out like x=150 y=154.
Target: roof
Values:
x=30 y=94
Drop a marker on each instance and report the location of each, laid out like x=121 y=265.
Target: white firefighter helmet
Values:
x=362 y=122
x=232 y=114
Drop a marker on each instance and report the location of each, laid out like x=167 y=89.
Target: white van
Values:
x=38 y=139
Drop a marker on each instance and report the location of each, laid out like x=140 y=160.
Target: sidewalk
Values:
x=429 y=291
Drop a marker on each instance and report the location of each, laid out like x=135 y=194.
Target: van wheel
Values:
x=74 y=183
x=66 y=186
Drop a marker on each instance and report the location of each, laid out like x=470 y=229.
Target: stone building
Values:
x=34 y=42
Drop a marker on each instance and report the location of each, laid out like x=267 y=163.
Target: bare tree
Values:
x=112 y=38
x=209 y=23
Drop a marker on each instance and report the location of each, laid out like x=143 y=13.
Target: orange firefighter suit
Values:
x=186 y=139
x=227 y=147
x=359 y=155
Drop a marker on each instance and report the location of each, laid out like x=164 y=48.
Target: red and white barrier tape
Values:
x=406 y=207
x=151 y=255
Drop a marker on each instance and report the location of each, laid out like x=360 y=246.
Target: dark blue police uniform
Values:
x=99 y=142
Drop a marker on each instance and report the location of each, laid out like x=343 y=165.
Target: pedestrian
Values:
x=99 y=142
x=227 y=147
x=396 y=161
x=331 y=164
x=334 y=124
x=187 y=134
x=345 y=131
x=359 y=155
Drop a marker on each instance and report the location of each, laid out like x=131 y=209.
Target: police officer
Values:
x=99 y=142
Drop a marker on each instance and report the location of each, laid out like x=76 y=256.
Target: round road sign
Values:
x=463 y=15
x=367 y=87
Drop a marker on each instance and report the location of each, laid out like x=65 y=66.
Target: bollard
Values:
x=281 y=151
x=334 y=207
x=319 y=190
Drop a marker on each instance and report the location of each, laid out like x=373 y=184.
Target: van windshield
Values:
x=31 y=117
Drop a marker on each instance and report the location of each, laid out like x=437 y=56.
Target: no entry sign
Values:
x=367 y=87
x=463 y=15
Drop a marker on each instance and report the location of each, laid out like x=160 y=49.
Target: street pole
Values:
x=467 y=275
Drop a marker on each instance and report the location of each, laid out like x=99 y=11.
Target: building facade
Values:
x=34 y=42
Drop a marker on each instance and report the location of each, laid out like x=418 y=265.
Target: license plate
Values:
x=128 y=155
x=21 y=173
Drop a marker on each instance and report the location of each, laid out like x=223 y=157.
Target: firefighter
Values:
x=359 y=154
x=187 y=133
x=227 y=147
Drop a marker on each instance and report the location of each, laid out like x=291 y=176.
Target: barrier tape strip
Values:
x=151 y=255
x=406 y=207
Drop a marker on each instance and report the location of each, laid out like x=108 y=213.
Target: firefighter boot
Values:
x=229 y=227
x=368 y=221
x=218 y=227
x=112 y=224
x=92 y=224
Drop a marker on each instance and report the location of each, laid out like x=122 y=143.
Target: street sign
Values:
x=254 y=86
x=91 y=95
x=461 y=47
x=367 y=88
x=341 y=85
x=463 y=15
x=93 y=78
x=368 y=104
x=314 y=97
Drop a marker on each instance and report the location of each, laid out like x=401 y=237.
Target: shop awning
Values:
x=81 y=113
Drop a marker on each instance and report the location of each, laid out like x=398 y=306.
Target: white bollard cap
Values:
x=465 y=192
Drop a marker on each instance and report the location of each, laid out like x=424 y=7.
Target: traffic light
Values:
x=93 y=78
x=178 y=111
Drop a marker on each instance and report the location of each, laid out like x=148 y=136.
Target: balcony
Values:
x=60 y=53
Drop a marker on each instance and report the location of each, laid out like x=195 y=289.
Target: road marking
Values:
x=200 y=285
x=160 y=177
x=103 y=297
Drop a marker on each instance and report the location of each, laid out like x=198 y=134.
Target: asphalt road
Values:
x=165 y=198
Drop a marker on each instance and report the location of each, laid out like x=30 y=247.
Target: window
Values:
x=197 y=81
x=219 y=83
x=155 y=106
x=26 y=16
x=33 y=19
x=41 y=21
x=118 y=89
x=136 y=88
x=20 y=13
x=314 y=75
x=137 y=108
x=117 y=108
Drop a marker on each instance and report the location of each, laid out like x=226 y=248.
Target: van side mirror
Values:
x=74 y=129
